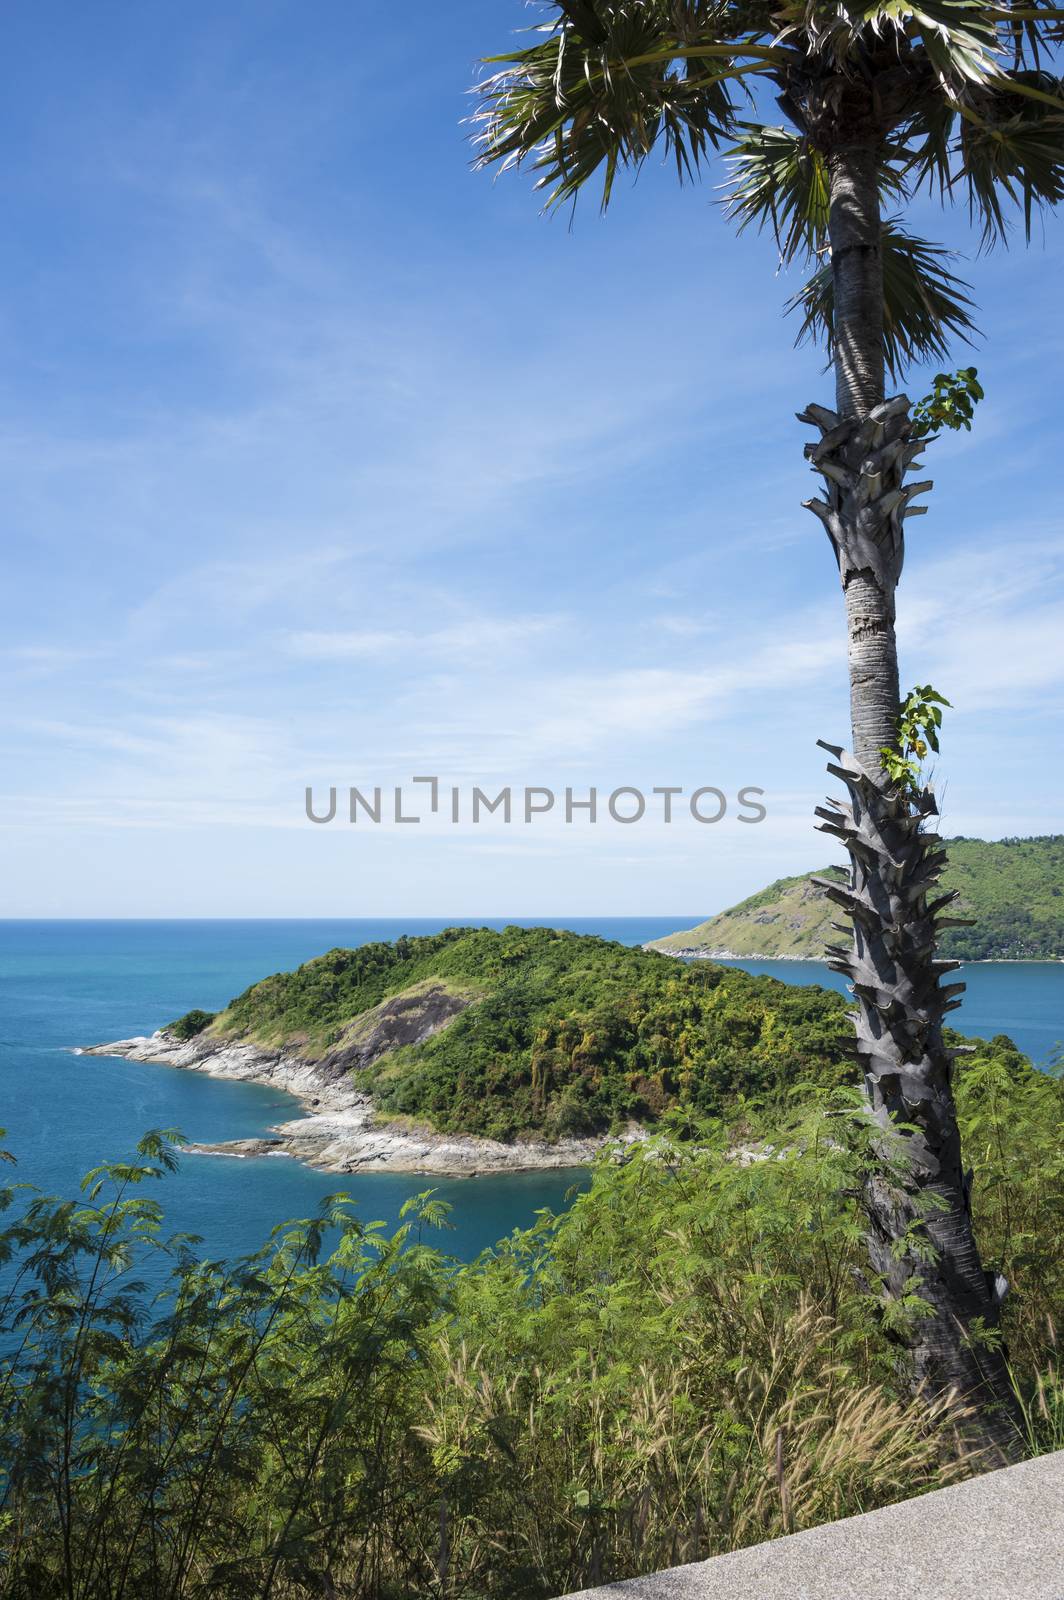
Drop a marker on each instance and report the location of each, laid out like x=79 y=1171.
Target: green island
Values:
x=1012 y=890
x=545 y=1033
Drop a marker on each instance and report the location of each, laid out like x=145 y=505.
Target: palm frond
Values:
x=1011 y=149
x=1000 y=147
x=1028 y=30
x=780 y=180
x=958 y=37
x=932 y=159
x=611 y=79
x=925 y=305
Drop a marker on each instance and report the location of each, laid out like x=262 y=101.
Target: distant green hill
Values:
x=1013 y=889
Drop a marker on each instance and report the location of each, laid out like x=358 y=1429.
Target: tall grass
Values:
x=687 y=1361
x=551 y=1483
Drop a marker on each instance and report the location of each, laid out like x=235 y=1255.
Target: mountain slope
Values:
x=1013 y=889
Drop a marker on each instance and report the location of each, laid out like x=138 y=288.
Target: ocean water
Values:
x=69 y=984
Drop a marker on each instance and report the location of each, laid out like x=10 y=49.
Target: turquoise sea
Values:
x=67 y=984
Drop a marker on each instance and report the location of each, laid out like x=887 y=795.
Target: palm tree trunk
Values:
x=857 y=271
x=864 y=453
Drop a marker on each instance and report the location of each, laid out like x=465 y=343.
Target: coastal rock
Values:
x=340 y=1131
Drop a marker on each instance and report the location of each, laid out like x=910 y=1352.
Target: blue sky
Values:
x=328 y=461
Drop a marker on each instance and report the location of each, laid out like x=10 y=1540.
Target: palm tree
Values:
x=881 y=100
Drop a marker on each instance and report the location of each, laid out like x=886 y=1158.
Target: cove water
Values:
x=66 y=984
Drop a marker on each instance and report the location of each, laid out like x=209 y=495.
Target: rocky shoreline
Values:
x=340 y=1130
x=698 y=953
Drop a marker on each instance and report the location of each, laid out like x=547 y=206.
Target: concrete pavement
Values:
x=998 y=1537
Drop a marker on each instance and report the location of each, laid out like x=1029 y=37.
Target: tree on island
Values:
x=881 y=101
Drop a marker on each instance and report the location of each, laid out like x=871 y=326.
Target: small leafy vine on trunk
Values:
x=919 y=721
x=951 y=403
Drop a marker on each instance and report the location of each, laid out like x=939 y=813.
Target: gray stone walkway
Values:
x=998 y=1537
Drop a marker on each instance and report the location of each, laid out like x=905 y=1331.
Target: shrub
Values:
x=191 y=1024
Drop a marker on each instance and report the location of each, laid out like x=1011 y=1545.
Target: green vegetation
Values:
x=562 y=1034
x=919 y=724
x=1012 y=889
x=191 y=1024
x=951 y=403
x=687 y=1361
x=1014 y=892
x=320 y=999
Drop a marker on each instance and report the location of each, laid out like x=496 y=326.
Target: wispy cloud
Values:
x=986 y=622
x=475 y=637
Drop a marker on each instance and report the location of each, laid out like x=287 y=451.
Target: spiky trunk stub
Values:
x=907 y=1068
x=901 y=1000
